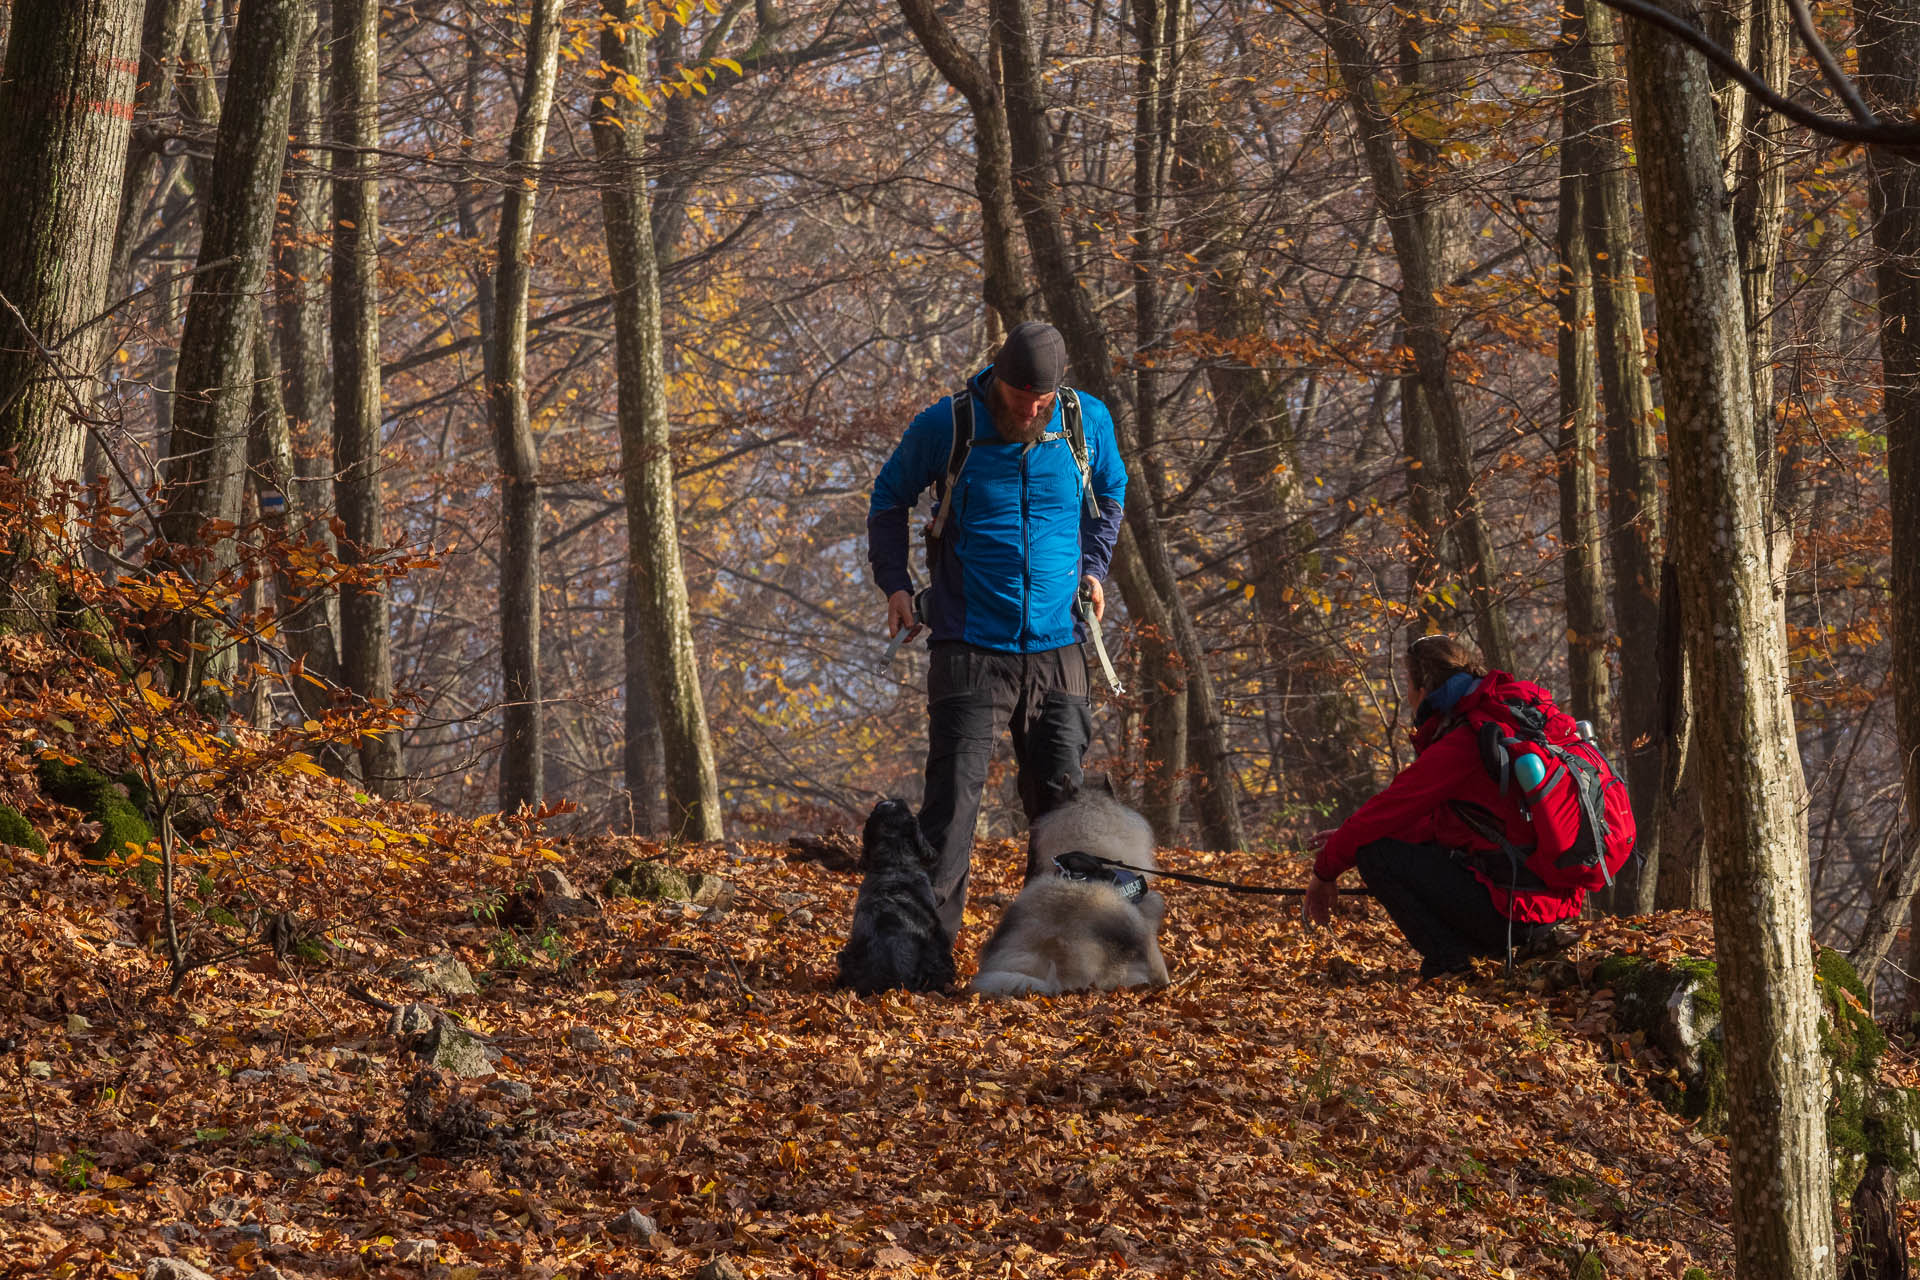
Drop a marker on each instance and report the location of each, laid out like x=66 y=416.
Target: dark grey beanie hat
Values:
x=1032 y=359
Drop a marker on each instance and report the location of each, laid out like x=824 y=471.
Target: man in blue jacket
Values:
x=1022 y=524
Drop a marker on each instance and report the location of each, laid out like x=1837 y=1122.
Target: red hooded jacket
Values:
x=1414 y=807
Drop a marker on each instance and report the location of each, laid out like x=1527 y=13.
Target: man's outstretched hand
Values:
x=900 y=614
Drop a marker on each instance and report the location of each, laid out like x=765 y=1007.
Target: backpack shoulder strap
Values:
x=1076 y=433
x=962 y=401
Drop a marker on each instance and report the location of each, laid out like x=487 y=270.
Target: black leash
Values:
x=1067 y=862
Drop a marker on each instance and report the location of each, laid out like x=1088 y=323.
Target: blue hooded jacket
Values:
x=1011 y=557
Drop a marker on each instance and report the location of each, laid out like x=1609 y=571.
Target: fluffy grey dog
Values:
x=1087 y=816
x=897 y=939
x=1064 y=934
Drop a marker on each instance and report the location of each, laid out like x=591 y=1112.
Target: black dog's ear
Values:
x=1061 y=788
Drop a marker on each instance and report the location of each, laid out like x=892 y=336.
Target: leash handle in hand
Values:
x=1083 y=604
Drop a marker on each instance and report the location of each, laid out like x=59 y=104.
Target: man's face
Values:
x=1020 y=416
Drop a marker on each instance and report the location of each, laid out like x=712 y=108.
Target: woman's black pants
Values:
x=1446 y=914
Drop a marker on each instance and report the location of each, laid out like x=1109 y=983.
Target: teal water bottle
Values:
x=1531 y=772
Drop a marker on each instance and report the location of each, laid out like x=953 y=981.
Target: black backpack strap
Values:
x=1507 y=861
x=956 y=459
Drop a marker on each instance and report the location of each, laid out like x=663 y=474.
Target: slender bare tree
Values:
x=1889 y=43
x=1579 y=463
x=1730 y=613
x=366 y=647
x=656 y=585
x=523 y=753
x=213 y=393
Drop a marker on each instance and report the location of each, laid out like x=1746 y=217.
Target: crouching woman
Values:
x=1429 y=846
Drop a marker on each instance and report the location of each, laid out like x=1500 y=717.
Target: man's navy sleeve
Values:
x=918 y=461
x=1097 y=536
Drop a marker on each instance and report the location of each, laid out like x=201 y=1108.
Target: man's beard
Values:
x=1024 y=433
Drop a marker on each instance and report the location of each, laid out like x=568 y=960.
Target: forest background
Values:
x=1267 y=225
x=483 y=398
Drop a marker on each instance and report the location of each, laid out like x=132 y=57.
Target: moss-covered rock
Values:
x=1847 y=1031
x=1677 y=1007
x=102 y=799
x=18 y=832
x=650 y=882
x=1866 y=1119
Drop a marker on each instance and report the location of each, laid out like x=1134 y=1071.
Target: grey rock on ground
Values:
x=633 y=1223
x=417 y=1252
x=463 y=1053
x=711 y=891
x=411 y=1019
x=721 y=1269
x=512 y=1090
x=650 y=882
x=584 y=1040
x=555 y=897
x=173 y=1269
x=441 y=974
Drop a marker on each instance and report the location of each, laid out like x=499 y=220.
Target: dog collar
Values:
x=1076 y=865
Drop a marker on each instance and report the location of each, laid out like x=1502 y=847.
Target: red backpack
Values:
x=1581 y=816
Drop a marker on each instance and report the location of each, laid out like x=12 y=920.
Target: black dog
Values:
x=898 y=940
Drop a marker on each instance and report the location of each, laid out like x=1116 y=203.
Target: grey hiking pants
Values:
x=973 y=696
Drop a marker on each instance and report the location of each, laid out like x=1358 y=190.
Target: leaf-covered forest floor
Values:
x=1292 y=1105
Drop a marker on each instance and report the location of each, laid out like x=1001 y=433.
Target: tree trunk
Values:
x=67 y=97
x=1003 y=284
x=1430 y=66
x=1427 y=544
x=1748 y=760
x=1889 y=44
x=1632 y=447
x=1160 y=683
x=313 y=626
x=1038 y=202
x=366 y=653
x=213 y=390
x=1879 y=1241
x=302 y=618
x=160 y=32
x=654 y=578
x=645 y=758
x=1426 y=326
x=1759 y=211
x=1579 y=463
x=522 y=755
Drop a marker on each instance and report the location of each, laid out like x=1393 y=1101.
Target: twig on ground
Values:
x=691 y=954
